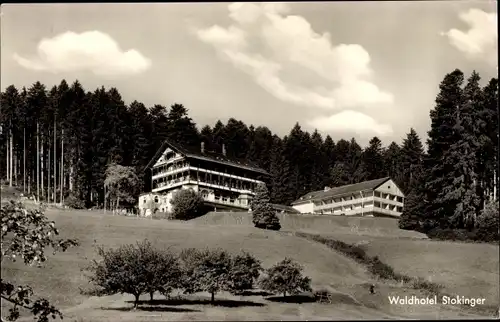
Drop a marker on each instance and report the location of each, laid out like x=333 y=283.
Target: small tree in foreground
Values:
x=186 y=204
x=134 y=269
x=25 y=235
x=206 y=271
x=245 y=269
x=263 y=215
x=285 y=277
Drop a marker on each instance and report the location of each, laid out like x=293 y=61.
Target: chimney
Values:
x=327 y=188
x=223 y=149
x=202 y=147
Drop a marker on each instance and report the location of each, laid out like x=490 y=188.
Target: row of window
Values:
x=203 y=177
x=169 y=167
x=359 y=196
x=366 y=205
x=217 y=198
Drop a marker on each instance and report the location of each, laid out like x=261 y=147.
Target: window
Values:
x=144 y=200
x=388 y=187
x=156 y=199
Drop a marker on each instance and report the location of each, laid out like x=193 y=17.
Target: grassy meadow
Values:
x=452 y=264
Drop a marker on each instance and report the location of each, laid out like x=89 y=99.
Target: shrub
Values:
x=285 y=277
x=245 y=269
x=186 y=204
x=206 y=271
x=263 y=215
x=74 y=202
x=134 y=269
x=487 y=223
x=25 y=235
x=452 y=234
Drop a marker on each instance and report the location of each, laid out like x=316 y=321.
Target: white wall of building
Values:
x=305 y=208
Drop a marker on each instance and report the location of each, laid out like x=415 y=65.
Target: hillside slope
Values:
x=368 y=226
x=61 y=278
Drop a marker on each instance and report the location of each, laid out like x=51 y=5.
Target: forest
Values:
x=57 y=142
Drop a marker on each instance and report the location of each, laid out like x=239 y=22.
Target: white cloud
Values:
x=267 y=43
x=480 y=41
x=92 y=51
x=351 y=121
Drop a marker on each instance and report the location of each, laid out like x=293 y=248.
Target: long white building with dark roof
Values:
x=379 y=197
x=223 y=182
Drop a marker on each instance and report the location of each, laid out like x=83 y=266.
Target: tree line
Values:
x=458 y=175
x=58 y=143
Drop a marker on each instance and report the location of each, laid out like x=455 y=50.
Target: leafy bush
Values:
x=25 y=235
x=452 y=234
x=187 y=204
x=134 y=269
x=74 y=202
x=263 y=215
x=206 y=271
x=285 y=277
x=487 y=223
x=245 y=269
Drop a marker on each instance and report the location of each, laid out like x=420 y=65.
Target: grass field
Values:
x=61 y=277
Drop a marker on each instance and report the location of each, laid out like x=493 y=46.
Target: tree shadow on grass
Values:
x=150 y=309
x=182 y=301
x=292 y=299
x=254 y=293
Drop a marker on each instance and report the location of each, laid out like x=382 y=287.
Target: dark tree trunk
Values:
x=136 y=302
x=151 y=296
x=213 y=297
x=284 y=294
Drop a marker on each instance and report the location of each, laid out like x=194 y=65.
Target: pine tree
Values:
x=160 y=125
x=329 y=151
x=392 y=163
x=372 y=160
x=353 y=162
x=181 y=128
x=487 y=159
x=236 y=138
x=412 y=158
x=281 y=174
x=319 y=160
x=436 y=209
x=462 y=192
x=263 y=215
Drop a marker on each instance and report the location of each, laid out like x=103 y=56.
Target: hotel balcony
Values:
x=183 y=181
x=179 y=169
x=365 y=211
x=344 y=203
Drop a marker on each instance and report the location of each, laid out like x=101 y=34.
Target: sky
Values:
x=348 y=69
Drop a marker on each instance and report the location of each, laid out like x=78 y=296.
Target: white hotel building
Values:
x=224 y=183
x=379 y=197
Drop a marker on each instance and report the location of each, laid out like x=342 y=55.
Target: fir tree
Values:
x=263 y=215
x=372 y=160
x=436 y=208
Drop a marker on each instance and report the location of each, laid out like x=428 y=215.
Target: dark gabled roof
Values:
x=210 y=156
x=284 y=208
x=342 y=190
